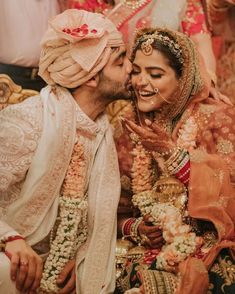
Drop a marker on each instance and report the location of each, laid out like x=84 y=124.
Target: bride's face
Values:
x=153 y=80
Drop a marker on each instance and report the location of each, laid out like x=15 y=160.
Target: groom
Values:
x=59 y=176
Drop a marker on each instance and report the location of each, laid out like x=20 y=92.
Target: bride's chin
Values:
x=148 y=106
x=144 y=108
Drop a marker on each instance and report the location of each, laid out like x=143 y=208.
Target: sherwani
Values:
x=37 y=138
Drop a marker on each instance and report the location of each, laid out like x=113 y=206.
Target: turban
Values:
x=76 y=46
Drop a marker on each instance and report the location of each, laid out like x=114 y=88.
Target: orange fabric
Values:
x=211 y=193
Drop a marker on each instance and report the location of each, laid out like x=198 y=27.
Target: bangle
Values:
x=177 y=152
x=134 y=230
x=126 y=226
x=5 y=240
x=13 y=238
x=173 y=163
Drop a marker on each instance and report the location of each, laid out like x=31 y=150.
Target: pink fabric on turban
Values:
x=76 y=47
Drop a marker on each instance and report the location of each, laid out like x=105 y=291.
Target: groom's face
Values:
x=114 y=76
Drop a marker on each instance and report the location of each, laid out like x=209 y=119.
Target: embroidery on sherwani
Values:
x=28 y=216
x=19 y=134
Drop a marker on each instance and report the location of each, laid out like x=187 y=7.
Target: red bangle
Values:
x=13 y=238
x=126 y=227
x=184 y=173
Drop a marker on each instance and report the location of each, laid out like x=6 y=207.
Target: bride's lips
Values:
x=145 y=95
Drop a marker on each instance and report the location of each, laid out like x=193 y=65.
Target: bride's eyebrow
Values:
x=149 y=67
x=155 y=67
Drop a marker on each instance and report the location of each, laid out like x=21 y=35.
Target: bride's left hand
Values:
x=152 y=137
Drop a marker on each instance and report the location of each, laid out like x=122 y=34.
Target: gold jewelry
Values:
x=170 y=190
x=134 y=230
x=146 y=47
x=144 y=239
x=146 y=41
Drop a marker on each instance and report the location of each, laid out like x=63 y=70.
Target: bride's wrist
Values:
x=169 y=152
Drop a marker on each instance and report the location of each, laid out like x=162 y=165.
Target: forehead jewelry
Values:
x=146 y=47
x=146 y=41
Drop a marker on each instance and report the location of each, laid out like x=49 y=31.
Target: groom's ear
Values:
x=93 y=82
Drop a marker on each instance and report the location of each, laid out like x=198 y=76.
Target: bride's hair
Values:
x=162 y=42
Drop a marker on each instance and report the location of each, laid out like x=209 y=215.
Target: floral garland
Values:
x=142 y=171
x=187 y=134
x=181 y=242
x=70 y=230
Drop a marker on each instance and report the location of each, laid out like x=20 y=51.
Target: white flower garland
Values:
x=180 y=241
x=70 y=229
x=70 y=234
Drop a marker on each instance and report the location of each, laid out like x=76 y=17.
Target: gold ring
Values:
x=144 y=239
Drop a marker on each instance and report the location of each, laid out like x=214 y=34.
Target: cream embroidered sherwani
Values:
x=36 y=142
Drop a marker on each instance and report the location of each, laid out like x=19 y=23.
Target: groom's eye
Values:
x=134 y=72
x=120 y=63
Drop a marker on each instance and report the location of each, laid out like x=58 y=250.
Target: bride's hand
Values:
x=151 y=235
x=152 y=137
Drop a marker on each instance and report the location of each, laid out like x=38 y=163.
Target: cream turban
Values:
x=76 y=46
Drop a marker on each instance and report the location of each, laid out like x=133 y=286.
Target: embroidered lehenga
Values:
x=204 y=128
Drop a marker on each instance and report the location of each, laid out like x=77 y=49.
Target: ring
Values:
x=24 y=263
x=144 y=239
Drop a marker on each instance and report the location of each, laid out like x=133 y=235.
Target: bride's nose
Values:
x=141 y=80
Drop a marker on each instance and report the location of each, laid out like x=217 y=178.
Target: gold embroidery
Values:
x=226 y=270
x=207 y=109
x=198 y=155
x=225 y=130
x=159 y=282
x=211 y=287
x=224 y=146
x=231 y=136
x=219 y=174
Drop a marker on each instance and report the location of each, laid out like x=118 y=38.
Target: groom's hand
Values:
x=67 y=279
x=26 y=265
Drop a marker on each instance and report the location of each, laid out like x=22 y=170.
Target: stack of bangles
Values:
x=130 y=229
x=5 y=240
x=178 y=164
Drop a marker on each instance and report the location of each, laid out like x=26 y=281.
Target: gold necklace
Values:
x=133 y=4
